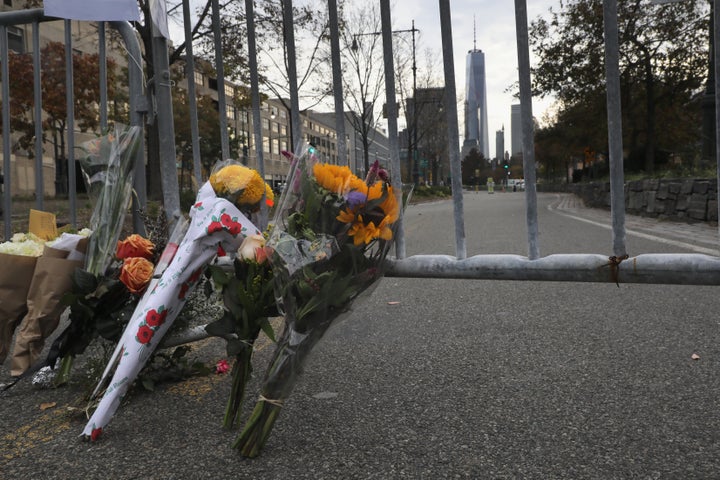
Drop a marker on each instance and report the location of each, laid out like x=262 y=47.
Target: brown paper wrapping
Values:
x=52 y=279
x=16 y=273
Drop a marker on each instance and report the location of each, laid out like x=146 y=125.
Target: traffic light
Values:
x=506 y=165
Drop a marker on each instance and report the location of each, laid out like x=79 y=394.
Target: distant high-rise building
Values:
x=515 y=130
x=500 y=144
x=476 y=115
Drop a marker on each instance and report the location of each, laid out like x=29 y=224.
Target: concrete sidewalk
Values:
x=697 y=237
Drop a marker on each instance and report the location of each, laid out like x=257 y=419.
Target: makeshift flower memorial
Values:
x=216 y=221
x=329 y=239
x=249 y=300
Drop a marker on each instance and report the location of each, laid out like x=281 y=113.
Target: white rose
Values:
x=249 y=245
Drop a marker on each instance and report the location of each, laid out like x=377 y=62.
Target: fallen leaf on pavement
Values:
x=695 y=356
x=393 y=303
x=45 y=406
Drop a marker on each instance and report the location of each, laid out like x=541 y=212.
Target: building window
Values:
x=283 y=114
x=8 y=3
x=275 y=146
x=230 y=110
x=199 y=79
x=16 y=39
x=283 y=129
x=266 y=145
x=265 y=124
x=229 y=91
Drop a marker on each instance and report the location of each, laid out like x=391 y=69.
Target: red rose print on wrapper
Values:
x=190 y=281
x=144 y=334
x=214 y=227
x=155 y=318
x=226 y=220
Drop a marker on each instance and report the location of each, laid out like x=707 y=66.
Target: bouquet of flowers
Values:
x=216 y=223
x=51 y=280
x=108 y=166
x=249 y=300
x=100 y=305
x=329 y=238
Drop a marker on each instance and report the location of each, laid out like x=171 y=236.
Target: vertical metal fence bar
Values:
x=716 y=61
x=254 y=85
x=452 y=128
x=615 y=145
x=392 y=115
x=5 y=76
x=166 y=128
x=138 y=109
x=192 y=100
x=526 y=121
x=102 y=55
x=289 y=34
x=220 y=72
x=337 y=83
x=70 y=104
x=37 y=97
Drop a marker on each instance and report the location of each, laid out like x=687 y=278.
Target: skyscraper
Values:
x=476 y=116
x=515 y=130
x=500 y=145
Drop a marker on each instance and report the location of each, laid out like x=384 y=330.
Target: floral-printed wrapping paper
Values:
x=213 y=222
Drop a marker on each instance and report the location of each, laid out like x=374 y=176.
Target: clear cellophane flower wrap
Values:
x=107 y=164
x=329 y=239
x=216 y=222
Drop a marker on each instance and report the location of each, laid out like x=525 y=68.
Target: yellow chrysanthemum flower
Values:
x=336 y=178
x=238 y=183
x=346 y=216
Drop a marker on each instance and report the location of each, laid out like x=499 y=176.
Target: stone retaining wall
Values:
x=690 y=200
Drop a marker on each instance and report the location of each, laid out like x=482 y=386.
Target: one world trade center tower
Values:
x=476 y=117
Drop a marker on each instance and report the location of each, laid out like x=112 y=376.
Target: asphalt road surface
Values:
x=431 y=379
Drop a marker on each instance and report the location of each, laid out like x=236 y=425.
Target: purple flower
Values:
x=355 y=198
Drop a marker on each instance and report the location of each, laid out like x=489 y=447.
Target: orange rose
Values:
x=136 y=273
x=134 y=246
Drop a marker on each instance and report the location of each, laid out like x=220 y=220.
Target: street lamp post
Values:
x=412 y=140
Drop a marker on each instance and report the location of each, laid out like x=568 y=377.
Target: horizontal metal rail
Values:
x=675 y=269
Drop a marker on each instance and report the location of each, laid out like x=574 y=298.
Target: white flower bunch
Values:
x=26 y=244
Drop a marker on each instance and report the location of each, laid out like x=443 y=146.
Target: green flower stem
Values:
x=63 y=375
x=257 y=429
x=241 y=374
x=286 y=364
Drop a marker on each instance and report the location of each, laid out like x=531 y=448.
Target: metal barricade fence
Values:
x=137 y=106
